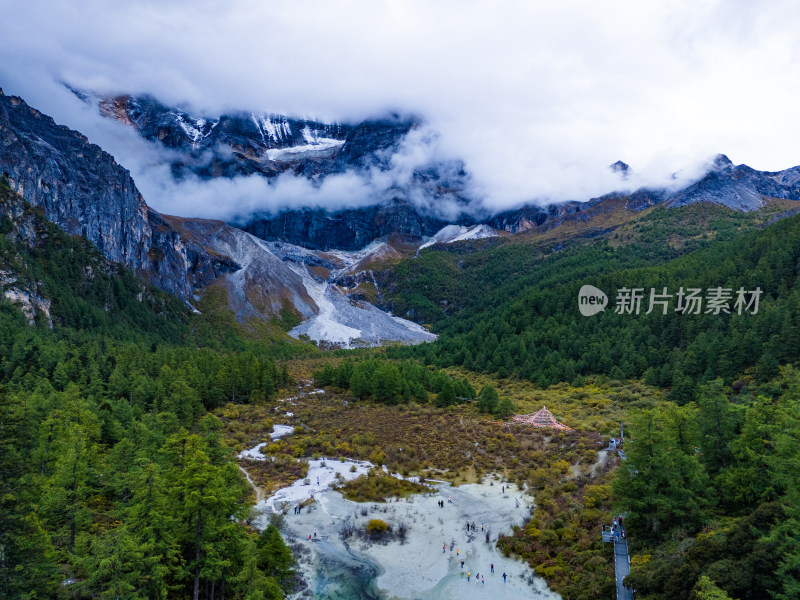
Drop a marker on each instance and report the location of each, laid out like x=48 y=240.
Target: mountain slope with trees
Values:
x=525 y=321
x=709 y=488
x=114 y=482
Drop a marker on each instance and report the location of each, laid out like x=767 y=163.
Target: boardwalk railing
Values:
x=622 y=560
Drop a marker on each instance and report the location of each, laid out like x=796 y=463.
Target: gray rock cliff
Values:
x=82 y=189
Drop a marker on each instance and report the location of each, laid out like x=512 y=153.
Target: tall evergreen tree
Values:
x=660 y=486
x=487 y=399
x=447 y=394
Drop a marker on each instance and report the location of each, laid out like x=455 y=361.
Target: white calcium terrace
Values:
x=416 y=568
x=322 y=474
x=278 y=431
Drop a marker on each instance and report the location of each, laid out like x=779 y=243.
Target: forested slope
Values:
x=526 y=322
x=709 y=488
x=114 y=482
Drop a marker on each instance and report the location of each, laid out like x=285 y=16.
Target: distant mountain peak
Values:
x=721 y=162
x=620 y=167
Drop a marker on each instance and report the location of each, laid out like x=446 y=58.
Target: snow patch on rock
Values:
x=459 y=233
x=322 y=148
x=340 y=320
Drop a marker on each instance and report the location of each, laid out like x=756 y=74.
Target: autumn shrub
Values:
x=377 y=527
x=377 y=486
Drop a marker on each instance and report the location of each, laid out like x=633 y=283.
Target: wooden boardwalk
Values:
x=622 y=561
x=622 y=558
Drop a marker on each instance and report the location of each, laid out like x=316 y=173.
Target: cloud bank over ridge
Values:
x=537 y=99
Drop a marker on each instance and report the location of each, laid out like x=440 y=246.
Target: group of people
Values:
x=471 y=526
x=481 y=578
x=616 y=529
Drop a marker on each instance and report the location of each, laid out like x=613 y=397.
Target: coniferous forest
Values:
x=399 y=300
x=115 y=481
x=119 y=479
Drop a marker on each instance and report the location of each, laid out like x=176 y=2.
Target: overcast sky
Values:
x=537 y=97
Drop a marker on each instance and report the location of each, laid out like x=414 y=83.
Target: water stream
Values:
x=344 y=576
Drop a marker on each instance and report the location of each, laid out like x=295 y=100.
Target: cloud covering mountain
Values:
x=537 y=99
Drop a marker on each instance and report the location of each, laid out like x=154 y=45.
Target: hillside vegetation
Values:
x=121 y=412
x=709 y=489
x=114 y=481
x=527 y=323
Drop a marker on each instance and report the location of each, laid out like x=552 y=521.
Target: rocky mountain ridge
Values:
x=738 y=186
x=268 y=145
x=324 y=266
x=82 y=189
x=228 y=145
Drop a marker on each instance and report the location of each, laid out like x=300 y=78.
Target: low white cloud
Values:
x=536 y=98
x=239 y=198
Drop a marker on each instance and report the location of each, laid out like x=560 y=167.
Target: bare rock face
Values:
x=83 y=190
x=178 y=263
x=350 y=229
x=80 y=187
x=30 y=303
x=738 y=186
x=267 y=145
x=261 y=285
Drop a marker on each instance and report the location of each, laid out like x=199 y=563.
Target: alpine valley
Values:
x=170 y=386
